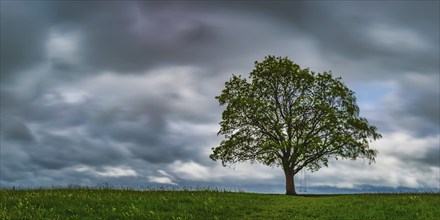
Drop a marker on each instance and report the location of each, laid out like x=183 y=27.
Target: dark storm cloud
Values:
x=416 y=107
x=93 y=90
x=59 y=151
x=431 y=157
x=363 y=32
x=14 y=129
x=412 y=106
x=133 y=36
x=147 y=140
x=23 y=33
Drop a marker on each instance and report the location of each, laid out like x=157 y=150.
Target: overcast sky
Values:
x=122 y=92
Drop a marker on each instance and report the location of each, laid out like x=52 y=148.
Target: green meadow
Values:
x=210 y=204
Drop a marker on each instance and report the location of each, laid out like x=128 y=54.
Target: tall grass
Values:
x=83 y=203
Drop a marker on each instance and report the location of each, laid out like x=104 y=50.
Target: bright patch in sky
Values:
x=62 y=45
x=396 y=38
x=108 y=171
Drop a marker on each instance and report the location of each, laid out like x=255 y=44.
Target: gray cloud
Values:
x=393 y=37
x=15 y=130
x=24 y=31
x=431 y=157
x=416 y=105
x=122 y=92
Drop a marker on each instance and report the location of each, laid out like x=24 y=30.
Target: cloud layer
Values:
x=123 y=92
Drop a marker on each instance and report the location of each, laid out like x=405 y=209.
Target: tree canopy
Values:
x=286 y=116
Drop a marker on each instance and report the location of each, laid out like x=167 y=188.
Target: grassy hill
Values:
x=207 y=204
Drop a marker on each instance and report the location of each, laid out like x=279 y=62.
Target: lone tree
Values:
x=291 y=117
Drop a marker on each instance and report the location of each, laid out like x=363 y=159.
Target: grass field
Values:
x=210 y=204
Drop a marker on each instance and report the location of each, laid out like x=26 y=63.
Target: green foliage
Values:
x=291 y=117
x=208 y=204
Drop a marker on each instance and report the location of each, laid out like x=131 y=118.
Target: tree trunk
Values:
x=290 y=182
